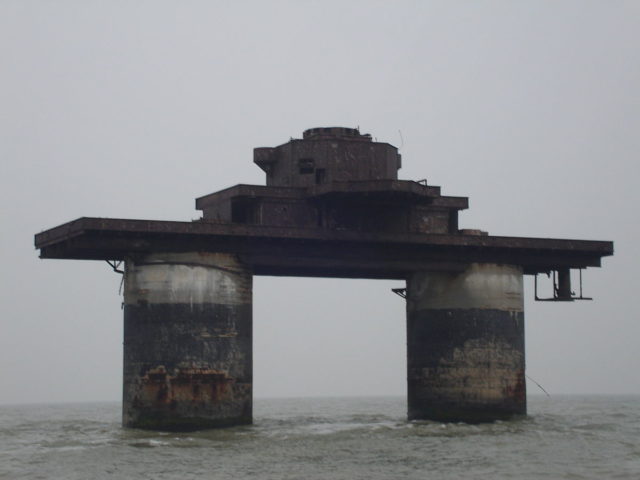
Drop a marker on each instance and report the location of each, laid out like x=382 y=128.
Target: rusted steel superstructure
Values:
x=332 y=207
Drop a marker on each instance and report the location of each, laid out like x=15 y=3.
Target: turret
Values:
x=325 y=155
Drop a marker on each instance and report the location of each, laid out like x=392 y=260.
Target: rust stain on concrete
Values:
x=161 y=388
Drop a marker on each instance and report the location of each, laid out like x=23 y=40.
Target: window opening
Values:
x=306 y=165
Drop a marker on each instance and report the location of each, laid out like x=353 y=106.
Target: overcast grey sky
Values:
x=133 y=109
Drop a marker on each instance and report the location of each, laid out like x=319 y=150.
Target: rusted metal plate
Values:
x=413 y=190
x=165 y=390
x=314 y=251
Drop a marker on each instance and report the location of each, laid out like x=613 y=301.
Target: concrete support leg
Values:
x=465 y=344
x=187 y=342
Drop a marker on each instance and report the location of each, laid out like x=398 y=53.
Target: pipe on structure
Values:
x=465 y=344
x=187 y=341
x=564 y=284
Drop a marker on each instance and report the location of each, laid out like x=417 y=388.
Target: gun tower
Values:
x=332 y=207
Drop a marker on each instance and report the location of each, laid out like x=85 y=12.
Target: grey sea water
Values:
x=572 y=437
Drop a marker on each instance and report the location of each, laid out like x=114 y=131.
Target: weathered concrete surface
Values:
x=465 y=344
x=187 y=342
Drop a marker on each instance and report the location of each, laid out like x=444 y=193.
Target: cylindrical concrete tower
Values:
x=187 y=341
x=465 y=344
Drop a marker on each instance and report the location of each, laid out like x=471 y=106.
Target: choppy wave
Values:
x=349 y=438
